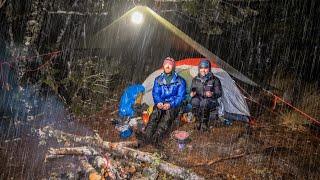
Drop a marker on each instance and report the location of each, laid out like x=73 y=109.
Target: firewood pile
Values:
x=112 y=160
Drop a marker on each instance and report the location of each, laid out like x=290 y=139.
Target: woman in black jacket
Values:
x=205 y=90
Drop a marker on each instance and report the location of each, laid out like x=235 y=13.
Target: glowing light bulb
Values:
x=137 y=18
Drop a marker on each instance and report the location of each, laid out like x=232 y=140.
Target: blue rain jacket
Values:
x=128 y=99
x=173 y=93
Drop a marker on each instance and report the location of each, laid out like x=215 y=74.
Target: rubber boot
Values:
x=205 y=119
x=204 y=126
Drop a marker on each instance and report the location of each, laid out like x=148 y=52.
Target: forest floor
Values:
x=272 y=151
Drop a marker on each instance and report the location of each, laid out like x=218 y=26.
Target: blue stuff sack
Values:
x=125 y=132
x=128 y=99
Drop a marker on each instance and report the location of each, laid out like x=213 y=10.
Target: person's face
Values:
x=203 y=71
x=167 y=68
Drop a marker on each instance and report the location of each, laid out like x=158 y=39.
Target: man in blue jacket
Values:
x=168 y=93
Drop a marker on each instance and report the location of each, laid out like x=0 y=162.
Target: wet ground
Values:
x=272 y=151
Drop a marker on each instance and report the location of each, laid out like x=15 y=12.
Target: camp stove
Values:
x=182 y=138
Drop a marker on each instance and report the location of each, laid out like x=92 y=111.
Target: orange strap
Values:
x=293 y=107
x=276 y=99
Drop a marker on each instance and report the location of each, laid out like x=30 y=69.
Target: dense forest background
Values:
x=264 y=39
x=50 y=84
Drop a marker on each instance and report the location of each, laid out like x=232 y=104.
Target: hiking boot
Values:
x=202 y=126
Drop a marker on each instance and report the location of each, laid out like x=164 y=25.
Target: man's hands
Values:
x=160 y=105
x=164 y=106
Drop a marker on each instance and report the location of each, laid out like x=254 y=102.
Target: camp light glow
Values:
x=137 y=17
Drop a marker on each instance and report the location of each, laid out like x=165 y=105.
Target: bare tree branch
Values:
x=66 y=24
x=78 y=13
x=173 y=0
x=2 y=3
x=9 y=10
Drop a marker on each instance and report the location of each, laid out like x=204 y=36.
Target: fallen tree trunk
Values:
x=107 y=167
x=168 y=168
x=93 y=140
x=93 y=174
x=76 y=151
x=80 y=151
x=121 y=150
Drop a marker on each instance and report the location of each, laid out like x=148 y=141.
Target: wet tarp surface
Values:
x=142 y=47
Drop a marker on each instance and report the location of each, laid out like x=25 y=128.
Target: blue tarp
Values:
x=128 y=99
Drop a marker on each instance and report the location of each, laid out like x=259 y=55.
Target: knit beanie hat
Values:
x=169 y=60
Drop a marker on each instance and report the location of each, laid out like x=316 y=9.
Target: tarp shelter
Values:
x=142 y=47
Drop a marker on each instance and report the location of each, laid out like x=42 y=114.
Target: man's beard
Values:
x=167 y=71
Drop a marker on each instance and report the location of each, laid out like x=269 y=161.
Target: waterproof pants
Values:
x=201 y=108
x=159 y=124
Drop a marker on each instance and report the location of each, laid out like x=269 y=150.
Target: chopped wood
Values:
x=121 y=150
x=52 y=156
x=79 y=151
x=93 y=174
x=107 y=166
x=114 y=168
x=169 y=168
x=93 y=140
x=75 y=151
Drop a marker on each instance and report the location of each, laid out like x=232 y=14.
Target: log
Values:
x=92 y=140
x=168 y=168
x=76 y=151
x=79 y=151
x=93 y=174
x=52 y=156
x=107 y=166
x=121 y=150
